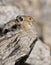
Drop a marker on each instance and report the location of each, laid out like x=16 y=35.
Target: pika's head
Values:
x=24 y=21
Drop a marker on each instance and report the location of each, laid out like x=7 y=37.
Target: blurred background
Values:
x=40 y=10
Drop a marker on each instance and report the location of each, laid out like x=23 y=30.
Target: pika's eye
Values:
x=6 y=31
x=21 y=18
x=14 y=26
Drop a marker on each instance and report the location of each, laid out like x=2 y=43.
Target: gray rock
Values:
x=8 y=12
x=40 y=54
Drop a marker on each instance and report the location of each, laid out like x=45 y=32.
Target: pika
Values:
x=21 y=23
x=18 y=39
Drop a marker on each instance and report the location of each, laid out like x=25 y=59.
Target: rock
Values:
x=9 y=12
x=40 y=54
x=47 y=33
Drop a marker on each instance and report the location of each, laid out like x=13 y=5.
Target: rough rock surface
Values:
x=40 y=54
x=9 y=12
